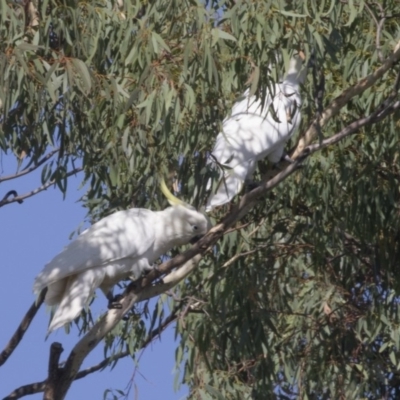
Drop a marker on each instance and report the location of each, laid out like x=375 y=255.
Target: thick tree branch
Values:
x=19 y=199
x=22 y=328
x=26 y=390
x=340 y=101
x=30 y=169
x=39 y=387
x=54 y=371
x=171 y=280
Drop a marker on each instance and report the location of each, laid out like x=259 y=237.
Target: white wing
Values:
x=124 y=234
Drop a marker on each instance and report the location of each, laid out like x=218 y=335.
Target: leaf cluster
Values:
x=300 y=299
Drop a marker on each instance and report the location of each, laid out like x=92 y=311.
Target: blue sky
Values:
x=31 y=234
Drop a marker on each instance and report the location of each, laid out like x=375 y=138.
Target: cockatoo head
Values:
x=187 y=224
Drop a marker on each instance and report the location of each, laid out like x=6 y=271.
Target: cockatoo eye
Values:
x=195 y=227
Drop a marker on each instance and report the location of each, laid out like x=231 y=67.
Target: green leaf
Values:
x=220 y=34
x=292 y=14
x=83 y=73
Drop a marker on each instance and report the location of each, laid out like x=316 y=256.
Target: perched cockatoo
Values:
x=253 y=131
x=121 y=245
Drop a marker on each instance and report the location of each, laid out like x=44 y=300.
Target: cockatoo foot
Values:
x=250 y=185
x=114 y=302
x=195 y=239
x=148 y=268
x=277 y=165
x=287 y=159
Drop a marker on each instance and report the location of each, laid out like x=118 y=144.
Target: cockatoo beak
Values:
x=196 y=239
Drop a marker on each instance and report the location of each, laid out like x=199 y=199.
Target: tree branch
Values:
x=171 y=280
x=54 y=373
x=9 y=194
x=6 y=200
x=39 y=387
x=28 y=170
x=375 y=117
x=379 y=26
x=26 y=390
x=22 y=328
x=340 y=101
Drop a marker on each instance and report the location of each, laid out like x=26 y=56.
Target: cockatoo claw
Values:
x=250 y=185
x=114 y=302
x=284 y=157
x=287 y=159
x=196 y=239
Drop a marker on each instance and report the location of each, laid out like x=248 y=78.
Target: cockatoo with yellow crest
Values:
x=124 y=244
x=256 y=129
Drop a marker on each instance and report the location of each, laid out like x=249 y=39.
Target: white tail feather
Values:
x=77 y=294
x=55 y=292
x=228 y=187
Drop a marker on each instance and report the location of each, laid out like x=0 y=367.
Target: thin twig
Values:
x=375 y=117
x=10 y=193
x=38 y=190
x=340 y=101
x=237 y=256
x=237 y=228
x=379 y=26
x=28 y=170
x=153 y=334
x=22 y=328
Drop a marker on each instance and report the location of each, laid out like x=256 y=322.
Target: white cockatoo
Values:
x=253 y=131
x=121 y=245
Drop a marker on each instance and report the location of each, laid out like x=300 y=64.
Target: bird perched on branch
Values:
x=256 y=130
x=124 y=244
